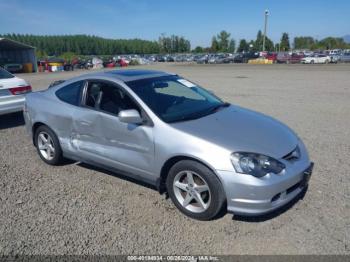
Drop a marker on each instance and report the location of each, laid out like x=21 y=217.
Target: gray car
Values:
x=160 y=128
x=12 y=92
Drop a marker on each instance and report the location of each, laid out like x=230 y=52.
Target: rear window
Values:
x=70 y=93
x=4 y=74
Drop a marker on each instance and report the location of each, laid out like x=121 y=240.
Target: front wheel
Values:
x=195 y=190
x=48 y=146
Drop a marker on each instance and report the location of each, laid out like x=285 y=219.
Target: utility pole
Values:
x=265 y=28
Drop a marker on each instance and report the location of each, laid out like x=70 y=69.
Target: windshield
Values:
x=4 y=74
x=174 y=99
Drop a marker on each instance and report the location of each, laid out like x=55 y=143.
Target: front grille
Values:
x=292 y=188
x=276 y=197
x=293 y=156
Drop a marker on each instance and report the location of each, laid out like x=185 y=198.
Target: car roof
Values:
x=127 y=75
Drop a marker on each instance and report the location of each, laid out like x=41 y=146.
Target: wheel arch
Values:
x=171 y=162
x=35 y=126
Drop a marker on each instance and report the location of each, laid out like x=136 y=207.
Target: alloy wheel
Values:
x=192 y=191
x=46 y=146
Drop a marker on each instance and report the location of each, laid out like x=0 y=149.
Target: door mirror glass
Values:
x=130 y=116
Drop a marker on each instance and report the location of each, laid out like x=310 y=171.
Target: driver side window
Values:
x=107 y=97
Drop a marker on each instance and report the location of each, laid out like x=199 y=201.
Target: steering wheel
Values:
x=178 y=100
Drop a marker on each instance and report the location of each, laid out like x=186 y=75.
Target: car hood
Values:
x=239 y=129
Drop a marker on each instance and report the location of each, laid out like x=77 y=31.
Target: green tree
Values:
x=243 y=46
x=258 y=44
x=55 y=45
x=198 y=49
x=68 y=56
x=285 y=45
x=173 y=44
x=40 y=54
x=214 y=45
x=303 y=42
x=232 y=46
x=223 y=39
x=332 y=43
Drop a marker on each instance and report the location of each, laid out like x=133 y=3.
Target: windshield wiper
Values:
x=186 y=118
x=200 y=114
x=217 y=107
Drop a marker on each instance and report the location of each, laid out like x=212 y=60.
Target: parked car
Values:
x=160 y=58
x=217 y=59
x=286 y=58
x=228 y=59
x=122 y=62
x=271 y=56
x=203 y=59
x=316 y=59
x=12 y=91
x=334 y=52
x=345 y=57
x=335 y=58
x=10 y=65
x=169 y=59
x=165 y=130
x=245 y=57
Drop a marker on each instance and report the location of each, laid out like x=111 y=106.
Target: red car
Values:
x=271 y=56
x=122 y=63
x=287 y=58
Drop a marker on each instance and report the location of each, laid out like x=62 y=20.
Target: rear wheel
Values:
x=48 y=146
x=195 y=190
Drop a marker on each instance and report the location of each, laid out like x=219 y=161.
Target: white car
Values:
x=12 y=90
x=316 y=59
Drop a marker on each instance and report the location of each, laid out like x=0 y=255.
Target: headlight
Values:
x=255 y=164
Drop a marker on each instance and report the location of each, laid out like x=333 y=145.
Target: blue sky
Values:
x=196 y=20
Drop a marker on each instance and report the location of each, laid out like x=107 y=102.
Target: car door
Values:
x=101 y=137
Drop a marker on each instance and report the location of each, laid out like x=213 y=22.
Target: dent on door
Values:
x=107 y=140
x=128 y=145
x=85 y=132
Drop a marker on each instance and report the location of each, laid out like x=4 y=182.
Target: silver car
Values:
x=207 y=155
x=12 y=92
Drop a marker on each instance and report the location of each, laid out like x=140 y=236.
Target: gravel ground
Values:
x=77 y=209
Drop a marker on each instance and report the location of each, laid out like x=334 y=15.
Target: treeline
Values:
x=223 y=43
x=173 y=44
x=57 y=45
x=92 y=45
x=308 y=42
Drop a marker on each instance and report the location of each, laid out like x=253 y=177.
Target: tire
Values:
x=204 y=184
x=51 y=145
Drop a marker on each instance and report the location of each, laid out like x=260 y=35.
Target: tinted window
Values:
x=108 y=97
x=174 y=99
x=70 y=93
x=4 y=74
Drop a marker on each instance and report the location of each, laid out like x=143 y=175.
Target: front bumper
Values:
x=251 y=196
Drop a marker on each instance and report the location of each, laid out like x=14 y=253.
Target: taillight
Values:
x=20 y=90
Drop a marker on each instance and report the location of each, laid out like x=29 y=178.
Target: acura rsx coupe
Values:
x=207 y=155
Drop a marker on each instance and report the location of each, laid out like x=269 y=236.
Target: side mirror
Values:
x=130 y=116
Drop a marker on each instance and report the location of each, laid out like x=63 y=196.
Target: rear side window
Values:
x=70 y=93
x=4 y=74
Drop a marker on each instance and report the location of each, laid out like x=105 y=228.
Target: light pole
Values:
x=265 y=28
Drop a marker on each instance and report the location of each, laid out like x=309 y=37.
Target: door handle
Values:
x=85 y=123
